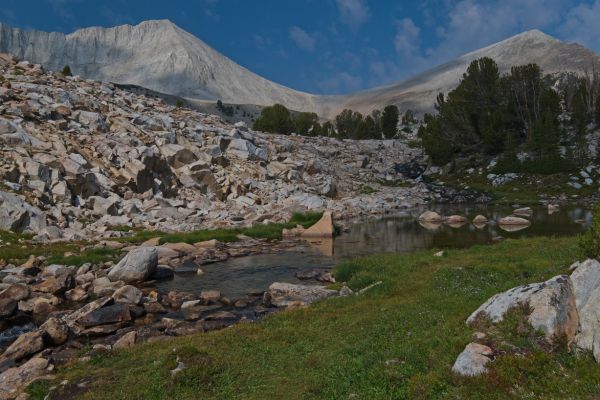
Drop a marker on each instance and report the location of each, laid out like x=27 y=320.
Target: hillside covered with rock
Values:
x=78 y=157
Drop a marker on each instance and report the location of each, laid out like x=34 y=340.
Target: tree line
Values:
x=347 y=125
x=522 y=111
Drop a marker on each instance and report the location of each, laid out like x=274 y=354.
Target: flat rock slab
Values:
x=285 y=293
x=116 y=313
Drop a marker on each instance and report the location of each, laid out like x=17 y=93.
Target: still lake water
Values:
x=401 y=233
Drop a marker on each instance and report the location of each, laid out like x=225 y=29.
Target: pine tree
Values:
x=66 y=71
x=389 y=121
x=274 y=119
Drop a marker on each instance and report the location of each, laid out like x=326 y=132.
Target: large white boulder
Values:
x=586 y=285
x=552 y=304
x=138 y=265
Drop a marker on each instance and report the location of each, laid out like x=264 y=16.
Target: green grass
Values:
x=17 y=247
x=11 y=237
x=262 y=231
x=91 y=255
x=78 y=253
x=527 y=189
x=397 y=341
x=367 y=190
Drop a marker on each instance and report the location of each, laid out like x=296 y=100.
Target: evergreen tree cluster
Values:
x=348 y=124
x=490 y=114
x=227 y=110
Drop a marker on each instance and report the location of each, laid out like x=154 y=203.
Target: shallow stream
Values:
x=401 y=233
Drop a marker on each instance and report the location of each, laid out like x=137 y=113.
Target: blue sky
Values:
x=329 y=46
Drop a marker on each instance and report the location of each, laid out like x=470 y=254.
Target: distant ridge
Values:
x=419 y=92
x=160 y=56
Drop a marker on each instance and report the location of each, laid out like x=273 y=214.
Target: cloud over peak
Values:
x=353 y=13
x=302 y=39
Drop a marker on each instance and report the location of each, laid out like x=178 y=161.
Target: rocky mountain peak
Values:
x=161 y=56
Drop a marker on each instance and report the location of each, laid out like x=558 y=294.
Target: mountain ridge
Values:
x=159 y=55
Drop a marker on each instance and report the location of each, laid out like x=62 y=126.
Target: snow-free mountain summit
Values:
x=160 y=56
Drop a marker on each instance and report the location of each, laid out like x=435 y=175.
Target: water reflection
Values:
x=398 y=234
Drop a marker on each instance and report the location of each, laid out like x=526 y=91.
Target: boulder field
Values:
x=78 y=157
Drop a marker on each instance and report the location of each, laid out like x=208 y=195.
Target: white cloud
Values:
x=62 y=9
x=302 y=39
x=474 y=24
x=353 y=12
x=342 y=82
x=407 y=40
x=261 y=41
x=582 y=25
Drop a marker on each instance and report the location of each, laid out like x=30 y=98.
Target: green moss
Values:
x=398 y=340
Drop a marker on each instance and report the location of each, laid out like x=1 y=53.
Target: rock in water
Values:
x=552 y=303
x=480 y=219
x=523 y=212
x=137 y=266
x=473 y=359
x=516 y=221
x=430 y=216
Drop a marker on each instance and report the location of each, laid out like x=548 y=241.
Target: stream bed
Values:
x=400 y=233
